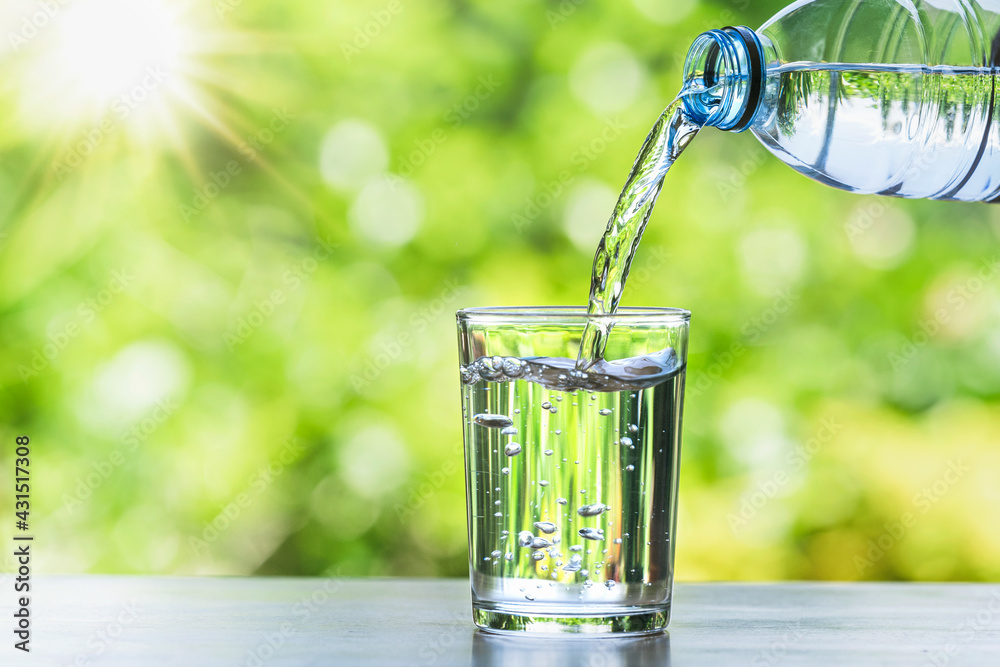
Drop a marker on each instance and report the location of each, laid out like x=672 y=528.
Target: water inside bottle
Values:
x=919 y=131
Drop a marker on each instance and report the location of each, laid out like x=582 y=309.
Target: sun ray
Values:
x=142 y=78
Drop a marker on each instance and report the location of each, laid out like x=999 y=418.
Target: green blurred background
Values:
x=234 y=236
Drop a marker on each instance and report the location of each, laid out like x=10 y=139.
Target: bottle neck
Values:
x=724 y=78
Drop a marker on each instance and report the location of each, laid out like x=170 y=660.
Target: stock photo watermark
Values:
x=257 y=484
x=561 y=12
x=250 y=149
x=957 y=298
x=428 y=487
x=224 y=7
x=866 y=218
x=303 y=610
x=393 y=349
x=369 y=31
x=86 y=313
x=581 y=160
x=779 y=648
x=35 y=23
x=292 y=280
x=104 y=468
x=863 y=220
x=752 y=503
x=441 y=643
x=752 y=331
x=123 y=106
x=100 y=641
x=723 y=18
x=984 y=620
x=923 y=502
x=454 y=117
x=741 y=173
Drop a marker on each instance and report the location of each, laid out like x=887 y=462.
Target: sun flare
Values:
x=97 y=54
x=108 y=78
x=107 y=47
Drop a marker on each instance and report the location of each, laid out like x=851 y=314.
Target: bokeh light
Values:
x=244 y=287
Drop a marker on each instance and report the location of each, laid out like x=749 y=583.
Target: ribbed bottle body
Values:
x=884 y=96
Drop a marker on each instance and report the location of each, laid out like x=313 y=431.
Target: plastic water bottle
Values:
x=890 y=97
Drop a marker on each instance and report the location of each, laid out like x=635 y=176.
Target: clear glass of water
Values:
x=571 y=476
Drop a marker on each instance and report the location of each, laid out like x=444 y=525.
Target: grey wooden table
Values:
x=135 y=621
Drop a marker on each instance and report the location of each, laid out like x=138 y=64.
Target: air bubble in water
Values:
x=592 y=510
x=595 y=534
x=509 y=556
x=538 y=555
x=540 y=543
x=489 y=368
x=529 y=597
x=588 y=583
x=543 y=482
x=554 y=409
x=576 y=547
x=513 y=368
x=512 y=449
x=548 y=452
x=633 y=428
x=546 y=405
x=629 y=468
x=574 y=564
x=618 y=540
x=604 y=412
x=558 y=431
x=498 y=502
x=609 y=584
x=562 y=501
x=510 y=430
x=546 y=527
x=493 y=421
x=627 y=441
x=524 y=538
x=505 y=471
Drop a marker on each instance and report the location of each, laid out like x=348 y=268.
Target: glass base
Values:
x=508 y=619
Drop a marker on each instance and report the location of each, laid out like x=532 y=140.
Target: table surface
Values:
x=117 y=621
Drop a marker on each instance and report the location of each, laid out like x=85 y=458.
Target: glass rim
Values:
x=572 y=314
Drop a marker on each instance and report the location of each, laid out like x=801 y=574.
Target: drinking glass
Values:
x=571 y=476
